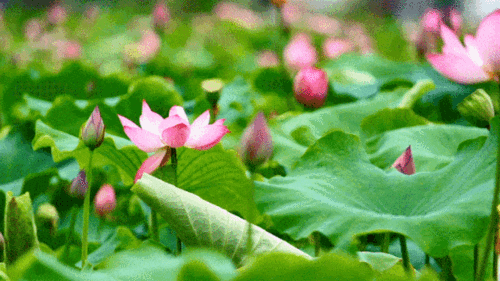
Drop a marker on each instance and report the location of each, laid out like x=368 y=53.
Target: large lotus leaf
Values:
x=389 y=119
x=334 y=189
x=200 y=223
x=292 y=134
x=236 y=102
x=114 y=150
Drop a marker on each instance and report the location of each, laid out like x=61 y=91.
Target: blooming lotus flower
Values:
x=105 y=200
x=158 y=135
x=478 y=61
x=256 y=143
x=311 y=86
x=92 y=132
x=300 y=53
x=405 y=163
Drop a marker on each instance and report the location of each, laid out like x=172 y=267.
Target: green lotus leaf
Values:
x=334 y=189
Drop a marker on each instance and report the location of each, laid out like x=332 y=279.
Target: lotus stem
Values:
x=493 y=227
x=86 y=214
x=174 y=162
x=476 y=258
x=250 y=212
x=386 y=240
x=416 y=92
x=154 y=226
x=73 y=214
x=427 y=260
x=404 y=253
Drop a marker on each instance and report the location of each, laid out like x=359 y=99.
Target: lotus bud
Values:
x=477 y=108
x=405 y=163
x=57 y=14
x=256 y=143
x=105 y=200
x=267 y=59
x=334 y=48
x=456 y=20
x=79 y=186
x=311 y=86
x=212 y=89
x=300 y=53
x=92 y=132
x=161 y=16
x=47 y=214
x=33 y=29
x=20 y=230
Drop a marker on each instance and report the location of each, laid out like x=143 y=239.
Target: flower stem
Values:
x=476 y=258
x=250 y=212
x=154 y=226
x=404 y=253
x=86 y=214
x=385 y=242
x=416 y=92
x=493 y=227
x=173 y=159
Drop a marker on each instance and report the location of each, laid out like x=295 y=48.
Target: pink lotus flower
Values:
x=431 y=20
x=300 y=53
x=57 y=14
x=161 y=16
x=478 y=61
x=405 y=163
x=105 y=200
x=267 y=59
x=311 y=86
x=158 y=135
x=256 y=143
x=334 y=47
x=33 y=29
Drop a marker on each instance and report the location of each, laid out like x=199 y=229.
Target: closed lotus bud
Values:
x=20 y=230
x=334 y=47
x=311 y=86
x=57 y=14
x=405 y=163
x=105 y=200
x=256 y=143
x=92 y=132
x=300 y=53
x=477 y=108
x=161 y=16
x=267 y=59
x=79 y=186
x=456 y=20
x=47 y=213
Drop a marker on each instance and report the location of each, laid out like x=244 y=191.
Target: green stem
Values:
x=317 y=244
x=495 y=265
x=493 y=227
x=86 y=214
x=250 y=213
x=385 y=242
x=155 y=234
x=427 y=260
x=173 y=159
x=404 y=253
x=73 y=214
x=476 y=258
x=416 y=92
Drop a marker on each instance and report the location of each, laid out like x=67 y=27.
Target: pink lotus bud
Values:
x=311 y=86
x=357 y=33
x=300 y=53
x=105 y=200
x=324 y=25
x=57 y=14
x=405 y=163
x=72 y=50
x=92 y=132
x=243 y=17
x=455 y=20
x=161 y=15
x=291 y=13
x=79 y=186
x=33 y=29
x=431 y=20
x=267 y=59
x=333 y=48
x=256 y=144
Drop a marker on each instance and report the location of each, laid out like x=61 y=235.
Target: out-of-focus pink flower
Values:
x=334 y=47
x=79 y=186
x=431 y=20
x=478 y=61
x=455 y=20
x=256 y=143
x=324 y=25
x=405 y=163
x=92 y=12
x=57 y=14
x=430 y=26
x=311 y=86
x=300 y=53
x=33 y=29
x=67 y=49
x=144 y=50
x=105 y=200
x=267 y=59
x=291 y=13
x=358 y=35
x=161 y=15
x=241 y=16
x=158 y=135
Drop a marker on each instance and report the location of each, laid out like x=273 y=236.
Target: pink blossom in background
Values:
x=478 y=61
x=431 y=20
x=311 y=87
x=256 y=145
x=144 y=50
x=67 y=49
x=105 y=200
x=161 y=15
x=291 y=13
x=324 y=25
x=57 y=14
x=405 y=163
x=267 y=59
x=157 y=134
x=300 y=52
x=33 y=29
x=233 y=12
x=334 y=47
x=357 y=33
x=456 y=20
